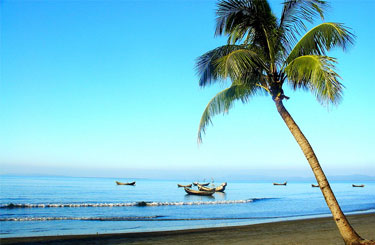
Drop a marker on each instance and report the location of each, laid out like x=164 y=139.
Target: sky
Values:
x=109 y=89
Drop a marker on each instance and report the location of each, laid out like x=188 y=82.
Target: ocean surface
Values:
x=40 y=206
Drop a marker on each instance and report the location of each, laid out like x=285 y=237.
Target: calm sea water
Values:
x=38 y=206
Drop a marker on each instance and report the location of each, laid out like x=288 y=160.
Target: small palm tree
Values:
x=262 y=54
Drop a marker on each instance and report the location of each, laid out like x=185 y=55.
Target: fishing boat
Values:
x=200 y=193
x=128 y=183
x=358 y=185
x=205 y=188
x=184 y=185
x=204 y=184
x=221 y=188
x=312 y=185
x=280 y=183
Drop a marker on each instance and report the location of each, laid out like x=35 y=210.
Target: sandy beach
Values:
x=307 y=231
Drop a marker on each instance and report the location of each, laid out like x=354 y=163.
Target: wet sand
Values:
x=307 y=231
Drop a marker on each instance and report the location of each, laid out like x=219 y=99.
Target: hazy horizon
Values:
x=205 y=174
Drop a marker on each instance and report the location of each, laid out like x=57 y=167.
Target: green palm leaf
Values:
x=235 y=63
x=321 y=39
x=231 y=14
x=245 y=18
x=206 y=64
x=316 y=73
x=295 y=13
x=224 y=101
x=238 y=34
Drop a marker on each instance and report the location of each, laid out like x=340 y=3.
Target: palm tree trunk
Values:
x=347 y=232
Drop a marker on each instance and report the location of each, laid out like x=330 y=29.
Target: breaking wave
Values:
x=128 y=204
x=162 y=218
x=81 y=218
x=136 y=218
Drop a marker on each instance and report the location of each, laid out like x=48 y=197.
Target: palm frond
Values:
x=322 y=38
x=230 y=14
x=224 y=101
x=237 y=35
x=234 y=64
x=295 y=13
x=244 y=18
x=316 y=73
x=206 y=64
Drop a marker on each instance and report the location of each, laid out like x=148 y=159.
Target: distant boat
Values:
x=184 y=185
x=204 y=184
x=200 y=193
x=358 y=185
x=280 y=183
x=128 y=183
x=312 y=185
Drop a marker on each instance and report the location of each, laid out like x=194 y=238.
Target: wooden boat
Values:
x=200 y=193
x=184 y=185
x=358 y=185
x=221 y=188
x=205 y=188
x=128 y=183
x=280 y=183
x=312 y=185
x=204 y=184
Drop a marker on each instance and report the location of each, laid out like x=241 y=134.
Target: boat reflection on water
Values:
x=221 y=195
x=196 y=198
x=218 y=196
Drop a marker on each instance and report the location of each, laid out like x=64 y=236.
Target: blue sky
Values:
x=108 y=88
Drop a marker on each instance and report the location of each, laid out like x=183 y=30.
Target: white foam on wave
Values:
x=198 y=203
x=66 y=205
x=79 y=218
x=130 y=204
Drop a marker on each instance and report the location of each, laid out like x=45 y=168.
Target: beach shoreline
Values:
x=304 y=231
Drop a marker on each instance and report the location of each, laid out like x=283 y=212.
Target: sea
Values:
x=43 y=206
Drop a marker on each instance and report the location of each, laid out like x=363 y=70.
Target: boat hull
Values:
x=280 y=183
x=358 y=185
x=129 y=183
x=199 y=193
x=220 y=188
x=178 y=185
x=204 y=188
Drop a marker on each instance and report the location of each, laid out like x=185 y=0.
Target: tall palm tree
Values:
x=262 y=54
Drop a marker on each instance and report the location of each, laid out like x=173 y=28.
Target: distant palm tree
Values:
x=262 y=54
